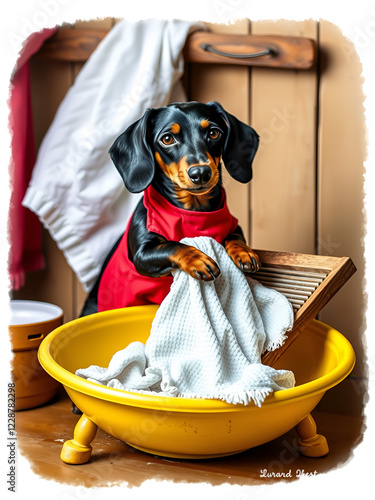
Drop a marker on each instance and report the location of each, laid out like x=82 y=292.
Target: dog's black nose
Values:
x=199 y=175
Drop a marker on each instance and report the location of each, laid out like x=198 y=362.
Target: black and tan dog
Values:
x=175 y=154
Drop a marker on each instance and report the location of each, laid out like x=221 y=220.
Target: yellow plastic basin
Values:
x=188 y=428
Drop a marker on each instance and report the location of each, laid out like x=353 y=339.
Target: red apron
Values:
x=122 y=286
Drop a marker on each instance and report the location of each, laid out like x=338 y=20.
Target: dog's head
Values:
x=185 y=142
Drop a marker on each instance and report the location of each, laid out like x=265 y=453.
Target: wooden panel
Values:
x=342 y=150
x=54 y=283
x=77 y=44
x=95 y=24
x=67 y=46
x=44 y=77
x=228 y=85
x=277 y=52
x=283 y=190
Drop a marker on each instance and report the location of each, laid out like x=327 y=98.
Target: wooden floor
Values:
x=42 y=431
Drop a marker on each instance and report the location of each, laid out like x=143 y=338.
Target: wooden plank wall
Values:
x=306 y=194
x=340 y=206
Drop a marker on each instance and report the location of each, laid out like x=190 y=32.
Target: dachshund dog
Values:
x=175 y=155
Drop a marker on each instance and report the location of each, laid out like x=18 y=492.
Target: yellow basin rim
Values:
x=72 y=381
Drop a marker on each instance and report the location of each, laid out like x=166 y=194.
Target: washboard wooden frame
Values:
x=308 y=281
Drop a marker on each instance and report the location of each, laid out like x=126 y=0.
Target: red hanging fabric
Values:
x=23 y=227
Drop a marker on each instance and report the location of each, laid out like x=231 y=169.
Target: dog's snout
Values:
x=199 y=175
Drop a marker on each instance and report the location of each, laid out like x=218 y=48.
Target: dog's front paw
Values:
x=196 y=263
x=242 y=255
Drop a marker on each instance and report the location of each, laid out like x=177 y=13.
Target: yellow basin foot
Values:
x=78 y=450
x=310 y=443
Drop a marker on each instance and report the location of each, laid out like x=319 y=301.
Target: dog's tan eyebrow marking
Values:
x=205 y=123
x=175 y=128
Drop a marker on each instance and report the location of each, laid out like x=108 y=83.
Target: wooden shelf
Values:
x=71 y=45
x=76 y=45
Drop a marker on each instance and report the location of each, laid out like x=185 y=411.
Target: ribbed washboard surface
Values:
x=308 y=281
x=297 y=286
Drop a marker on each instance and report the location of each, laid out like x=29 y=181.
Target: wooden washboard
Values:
x=308 y=281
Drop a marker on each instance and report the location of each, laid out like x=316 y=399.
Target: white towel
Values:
x=207 y=339
x=75 y=189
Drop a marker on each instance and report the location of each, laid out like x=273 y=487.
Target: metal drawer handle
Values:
x=208 y=48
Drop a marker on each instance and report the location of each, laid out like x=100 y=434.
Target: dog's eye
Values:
x=167 y=140
x=214 y=134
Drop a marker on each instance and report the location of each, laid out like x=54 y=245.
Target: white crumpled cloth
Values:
x=207 y=339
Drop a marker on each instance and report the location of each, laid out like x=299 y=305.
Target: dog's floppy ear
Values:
x=240 y=146
x=132 y=155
